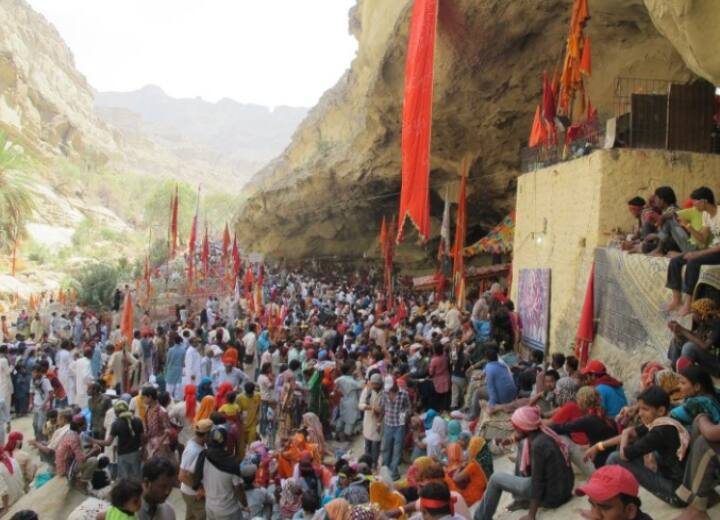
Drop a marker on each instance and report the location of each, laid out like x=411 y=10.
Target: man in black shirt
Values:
x=613 y=495
x=544 y=476
x=128 y=430
x=663 y=439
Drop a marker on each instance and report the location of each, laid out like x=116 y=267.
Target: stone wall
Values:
x=567 y=210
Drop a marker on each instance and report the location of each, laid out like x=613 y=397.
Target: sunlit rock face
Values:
x=326 y=194
x=45 y=103
x=692 y=27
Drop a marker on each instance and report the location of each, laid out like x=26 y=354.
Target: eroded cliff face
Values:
x=46 y=105
x=326 y=194
x=692 y=27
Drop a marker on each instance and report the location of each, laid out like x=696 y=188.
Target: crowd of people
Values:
x=256 y=413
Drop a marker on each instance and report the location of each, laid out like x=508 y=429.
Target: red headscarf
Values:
x=14 y=439
x=5 y=459
x=223 y=390
x=190 y=401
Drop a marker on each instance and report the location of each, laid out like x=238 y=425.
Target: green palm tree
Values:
x=16 y=202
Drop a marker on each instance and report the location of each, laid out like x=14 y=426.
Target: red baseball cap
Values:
x=609 y=482
x=594 y=367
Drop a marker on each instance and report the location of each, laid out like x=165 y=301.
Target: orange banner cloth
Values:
x=586 y=61
x=128 y=318
x=417 y=119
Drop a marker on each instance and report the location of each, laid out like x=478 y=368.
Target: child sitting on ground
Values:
x=125 y=498
x=653 y=452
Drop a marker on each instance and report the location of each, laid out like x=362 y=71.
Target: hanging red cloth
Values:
x=417 y=118
x=586 y=333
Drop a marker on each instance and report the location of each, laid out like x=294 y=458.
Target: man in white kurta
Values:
x=63 y=360
x=191 y=370
x=6 y=388
x=82 y=371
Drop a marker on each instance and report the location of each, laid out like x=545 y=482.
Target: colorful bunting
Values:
x=498 y=241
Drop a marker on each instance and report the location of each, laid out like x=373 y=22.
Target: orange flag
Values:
x=538 y=134
x=127 y=320
x=383 y=236
x=417 y=118
x=459 y=245
x=586 y=61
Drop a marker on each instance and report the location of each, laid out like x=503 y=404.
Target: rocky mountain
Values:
x=327 y=192
x=46 y=105
x=230 y=136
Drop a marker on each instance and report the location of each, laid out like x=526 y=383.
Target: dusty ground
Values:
x=55 y=500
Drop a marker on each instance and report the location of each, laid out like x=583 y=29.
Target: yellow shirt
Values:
x=251 y=407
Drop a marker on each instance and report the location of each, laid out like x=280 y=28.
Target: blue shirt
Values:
x=174 y=364
x=612 y=398
x=500 y=384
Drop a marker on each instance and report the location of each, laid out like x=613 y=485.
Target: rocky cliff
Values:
x=45 y=103
x=326 y=193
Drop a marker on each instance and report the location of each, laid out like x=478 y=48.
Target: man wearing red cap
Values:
x=613 y=495
x=610 y=389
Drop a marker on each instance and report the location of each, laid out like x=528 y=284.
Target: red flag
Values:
x=548 y=100
x=417 y=118
x=585 y=332
x=206 y=253
x=248 y=280
x=174 y=223
x=459 y=245
x=226 y=244
x=191 y=250
x=236 y=257
x=127 y=320
x=146 y=274
x=586 y=60
x=383 y=236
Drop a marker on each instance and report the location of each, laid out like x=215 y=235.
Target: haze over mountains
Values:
x=234 y=137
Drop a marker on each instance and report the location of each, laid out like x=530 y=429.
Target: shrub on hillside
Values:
x=97 y=283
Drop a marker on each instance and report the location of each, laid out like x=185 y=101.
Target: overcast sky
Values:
x=271 y=52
